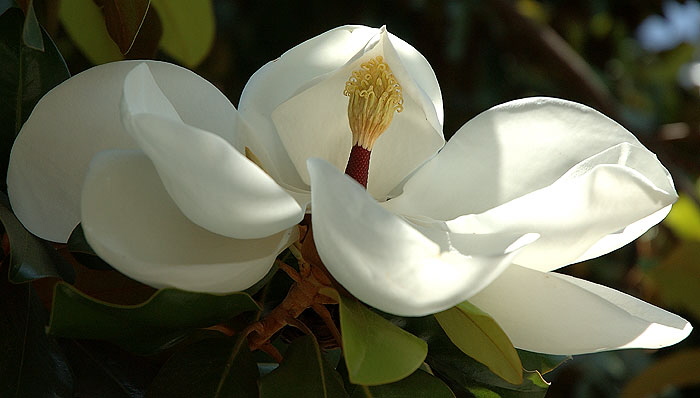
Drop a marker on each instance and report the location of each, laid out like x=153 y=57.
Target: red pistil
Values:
x=358 y=164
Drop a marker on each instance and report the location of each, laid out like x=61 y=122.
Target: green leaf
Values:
x=376 y=351
x=31 y=32
x=479 y=336
x=303 y=373
x=419 y=384
x=26 y=76
x=123 y=19
x=161 y=321
x=684 y=218
x=103 y=370
x=188 y=29
x=6 y=5
x=675 y=371
x=31 y=364
x=677 y=277
x=81 y=250
x=30 y=257
x=542 y=363
x=216 y=368
x=463 y=371
x=85 y=24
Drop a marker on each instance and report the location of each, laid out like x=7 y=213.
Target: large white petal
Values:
x=79 y=118
x=213 y=184
x=511 y=150
x=387 y=263
x=314 y=123
x=560 y=314
x=131 y=222
x=614 y=192
x=308 y=63
x=584 y=214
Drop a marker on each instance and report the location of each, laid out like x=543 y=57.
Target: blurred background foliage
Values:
x=636 y=61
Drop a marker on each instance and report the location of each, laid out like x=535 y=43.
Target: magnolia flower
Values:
x=175 y=187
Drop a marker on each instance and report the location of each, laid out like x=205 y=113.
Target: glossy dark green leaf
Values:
x=479 y=336
x=163 y=320
x=303 y=373
x=26 y=76
x=211 y=368
x=81 y=250
x=6 y=5
x=103 y=370
x=31 y=364
x=376 y=351
x=31 y=32
x=123 y=19
x=543 y=363
x=464 y=372
x=30 y=257
x=419 y=384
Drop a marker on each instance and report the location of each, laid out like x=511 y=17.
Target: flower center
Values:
x=374 y=95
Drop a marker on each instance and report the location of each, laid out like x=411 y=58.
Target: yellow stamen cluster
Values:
x=375 y=95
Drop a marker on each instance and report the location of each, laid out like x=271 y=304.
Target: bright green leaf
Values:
x=123 y=19
x=31 y=32
x=376 y=351
x=303 y=373
x=463 y=371
x=30 y=257
x=85 y=24
x=31 y=364
x=677 y=370
x=188 y=29
x=479 y=336
x=419 y=384
x=684 y=218
x=26 y=76
x=164 y=319
x=216 y=368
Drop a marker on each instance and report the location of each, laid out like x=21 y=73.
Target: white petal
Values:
x=212 y=183
x=547 y=166
x=309 y=63
x=559 y=314
x=79 y=118
x=131 y=222
x=314 y=123
x=387 y=263
x=585 y=214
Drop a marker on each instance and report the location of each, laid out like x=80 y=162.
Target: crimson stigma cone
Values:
x=375 y=95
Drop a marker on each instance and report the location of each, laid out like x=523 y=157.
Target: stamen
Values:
x=374 y=95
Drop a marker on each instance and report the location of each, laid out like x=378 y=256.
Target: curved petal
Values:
x=386 y=262
x=560 y=314
x=593 y=209
x=79 y=118
x=131 y=222
x=514 y=149
x=614 y=193
x=306 y=64
x=213 y=184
